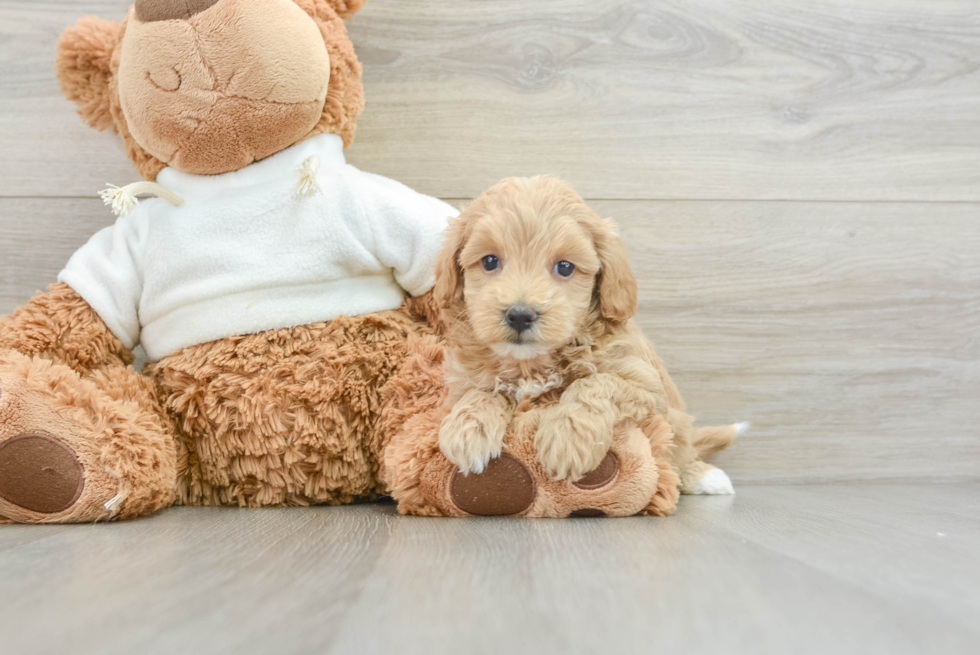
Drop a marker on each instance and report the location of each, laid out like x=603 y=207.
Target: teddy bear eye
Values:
x=564 y=269
x=490 y=263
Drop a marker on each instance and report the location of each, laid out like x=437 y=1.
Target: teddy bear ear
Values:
x=83 y=64
x=343 y=8
x=346 y=8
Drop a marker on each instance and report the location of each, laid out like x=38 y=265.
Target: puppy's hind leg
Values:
x=690 y=445
x=702 y=479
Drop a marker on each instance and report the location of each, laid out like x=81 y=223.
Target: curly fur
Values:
x=584 y=335
x=286 y=417
x=298 y=416
x=59 y=325
x=408 y=423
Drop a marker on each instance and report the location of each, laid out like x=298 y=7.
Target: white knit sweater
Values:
x=241 y=255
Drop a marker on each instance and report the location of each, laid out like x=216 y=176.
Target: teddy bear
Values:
x=273 y=287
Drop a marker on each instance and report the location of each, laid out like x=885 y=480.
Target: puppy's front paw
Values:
x=470 y=442
x=569 y=449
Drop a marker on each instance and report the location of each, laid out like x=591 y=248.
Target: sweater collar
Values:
x=282 y=165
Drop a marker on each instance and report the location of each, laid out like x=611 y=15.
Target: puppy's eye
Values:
x=564 y=269
x=490 y=263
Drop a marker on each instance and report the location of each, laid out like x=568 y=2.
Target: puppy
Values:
x=539 y=298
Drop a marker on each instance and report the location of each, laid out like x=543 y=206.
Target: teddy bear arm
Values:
x=60 y=326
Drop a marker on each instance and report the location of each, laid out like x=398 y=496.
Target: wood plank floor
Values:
x=775 y=569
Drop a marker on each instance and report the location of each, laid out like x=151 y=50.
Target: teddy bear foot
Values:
x=76 y=449
x=634 y=477
x=507 y=488
x=504 y=488
x=41 y=476
x=39 y=473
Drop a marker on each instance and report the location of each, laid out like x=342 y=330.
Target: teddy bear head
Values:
x=210 y=86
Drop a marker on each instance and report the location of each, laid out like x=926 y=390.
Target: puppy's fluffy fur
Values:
x=583 y=345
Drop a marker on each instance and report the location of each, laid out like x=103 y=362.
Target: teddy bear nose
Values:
x=153 y=10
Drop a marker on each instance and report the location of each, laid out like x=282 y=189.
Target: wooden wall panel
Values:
x=846 y=332
x=707 y=99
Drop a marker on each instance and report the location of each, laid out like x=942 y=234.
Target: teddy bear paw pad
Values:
x=601 y=475
x=39 y=473
x=504 y=488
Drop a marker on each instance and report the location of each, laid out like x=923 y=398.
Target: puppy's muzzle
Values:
x=521 y=318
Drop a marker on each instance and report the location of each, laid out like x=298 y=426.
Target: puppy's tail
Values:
x=709 y=439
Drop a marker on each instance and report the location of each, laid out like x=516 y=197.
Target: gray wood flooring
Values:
x=859 y=568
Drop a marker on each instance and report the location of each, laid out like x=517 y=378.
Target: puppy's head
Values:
x=529 y=266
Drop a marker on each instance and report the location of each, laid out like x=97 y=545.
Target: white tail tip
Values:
x=742 y=428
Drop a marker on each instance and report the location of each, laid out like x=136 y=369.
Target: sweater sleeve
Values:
x=107 y=273
x=408 y=230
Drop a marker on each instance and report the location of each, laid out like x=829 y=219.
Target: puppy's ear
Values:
x=617 y=284
x=449 y=274
x=84 y=56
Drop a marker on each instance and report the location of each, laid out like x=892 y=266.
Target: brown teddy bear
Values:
x=266 y=281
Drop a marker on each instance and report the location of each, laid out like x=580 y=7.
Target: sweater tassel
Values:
x=307 y=186
x=123 y=200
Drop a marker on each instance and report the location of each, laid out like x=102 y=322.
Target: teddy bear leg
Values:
x=78 y=449
x=664 y=500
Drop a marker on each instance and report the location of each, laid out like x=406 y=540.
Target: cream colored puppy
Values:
x=540 y=298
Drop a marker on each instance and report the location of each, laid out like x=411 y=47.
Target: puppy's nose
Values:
x=152 y=10
x=521 y=318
